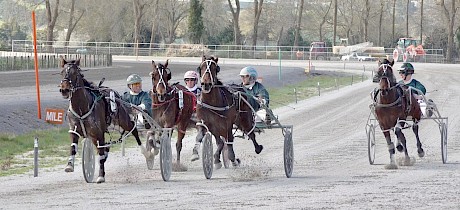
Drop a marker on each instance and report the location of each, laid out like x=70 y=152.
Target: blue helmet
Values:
x=249 y=70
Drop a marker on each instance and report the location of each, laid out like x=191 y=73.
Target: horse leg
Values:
x=73 y=152
x=420 y=151
x=258 y=148
x=391 y=150
x=403 y=144
x=399 y=136
x=103 y=155
x=198 y=139
x=180 y=137
x=231 y=153
x=220 y=145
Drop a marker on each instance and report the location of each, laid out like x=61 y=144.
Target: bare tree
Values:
x=449 y=14
x=393 y=22
x=173 y=13
x=138 y=6
x=297 y=28
x=367 y=11
x=51 y=18
x=71 y=25
x=421 y=22
x=236 y=21
x=324 y=21
x=407 y=18
x=257 y=12
x=335 y=23
x=154 y=24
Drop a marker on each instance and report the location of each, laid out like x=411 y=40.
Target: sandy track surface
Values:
x=331 y=169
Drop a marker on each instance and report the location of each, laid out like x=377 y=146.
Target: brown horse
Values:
x=173 y=105
x=89 y=114
x=220 y=109
x=394 y=109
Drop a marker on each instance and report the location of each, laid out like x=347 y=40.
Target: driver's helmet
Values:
x=133 y=78
x=191 y=75
x=406 y=69
x=249 y=70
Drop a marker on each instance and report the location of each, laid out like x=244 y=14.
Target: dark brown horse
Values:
x=395 y=110
x=220 y=109
x=89 y=114
x=173 y=105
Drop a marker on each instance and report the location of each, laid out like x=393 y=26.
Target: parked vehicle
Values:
x=318 y=51
x=358 y=57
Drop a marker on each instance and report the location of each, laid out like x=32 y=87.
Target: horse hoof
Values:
x=69 y=168
x=236 y=163
x=195 y=157
x=259 y=149
x=150 y=161
x=218 y=165
x=100 y=179
x=421 y=153
x=400 y=147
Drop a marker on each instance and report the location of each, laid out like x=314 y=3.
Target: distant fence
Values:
x=195 y=50
x=25 y=61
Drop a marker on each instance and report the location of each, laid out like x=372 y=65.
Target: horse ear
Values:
x=77 y=62
x=216 y=59
x=203 y=58
x=392 y=62
x=153 y=64
x=63 y=61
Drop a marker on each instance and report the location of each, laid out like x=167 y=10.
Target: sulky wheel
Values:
x=165 y=156
x=288 y=153
x=88 y=160
x=207 y=156
x=371 y=144
x=444 y=142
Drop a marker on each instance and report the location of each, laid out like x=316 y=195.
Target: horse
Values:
x=220 y=107
x=172 y=105
x=394 y=109
x=89 y=114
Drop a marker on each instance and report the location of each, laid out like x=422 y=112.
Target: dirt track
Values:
x=331 y=169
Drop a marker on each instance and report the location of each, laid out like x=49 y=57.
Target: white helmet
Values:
x=133 y=78
x=191 y=75
x=249 y=70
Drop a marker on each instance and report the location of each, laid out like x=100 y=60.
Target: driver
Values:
x=190 y=79
x=254 y=88
x=142 y=100
x=406 y=71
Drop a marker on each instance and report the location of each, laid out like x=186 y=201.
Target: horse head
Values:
x=72 y=78
x=208 y=70
x=385 y=76
x=160 y=77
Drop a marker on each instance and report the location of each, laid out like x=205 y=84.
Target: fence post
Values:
x=319 y=90
x=35 y=157
x=295 y=95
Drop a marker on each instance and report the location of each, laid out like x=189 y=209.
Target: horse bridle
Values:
x=385 y=76
x=208 y=70
x=73 y=87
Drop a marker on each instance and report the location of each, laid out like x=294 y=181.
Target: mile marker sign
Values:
x=54 y=116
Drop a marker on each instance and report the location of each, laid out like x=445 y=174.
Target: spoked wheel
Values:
x=288 y=153
x=371 y=144
x=165 y=156
x=225 y=156
x=88 y=160
x=207 y=156
x=444 y=142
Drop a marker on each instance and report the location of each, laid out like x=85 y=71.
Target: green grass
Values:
x=309 y=88
x=16 y=151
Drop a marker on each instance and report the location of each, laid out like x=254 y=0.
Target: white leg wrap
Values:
x=72 y=159
x=76 y=147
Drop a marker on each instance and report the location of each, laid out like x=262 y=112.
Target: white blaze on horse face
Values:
x=161 y=72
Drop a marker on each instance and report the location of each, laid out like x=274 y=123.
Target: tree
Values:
x=449 y=15
x=138 y=6
x=72 y=24
x=51 y=18
x=195 y=22
x=236 y=24
x=297 y=28
x=257 y=12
